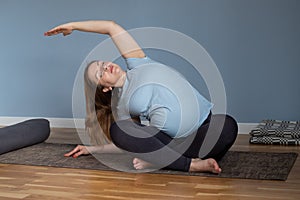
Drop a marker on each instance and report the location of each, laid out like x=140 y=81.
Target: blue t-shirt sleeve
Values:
x=135 y=62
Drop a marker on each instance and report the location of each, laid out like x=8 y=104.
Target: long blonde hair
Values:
x=99 y=115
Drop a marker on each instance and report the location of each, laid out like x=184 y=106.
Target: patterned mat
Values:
x=276 y=132
x=235 y=164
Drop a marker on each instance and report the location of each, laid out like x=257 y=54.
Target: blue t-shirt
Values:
x=161 y=95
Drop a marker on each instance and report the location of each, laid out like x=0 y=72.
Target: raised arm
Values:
x=127 y=46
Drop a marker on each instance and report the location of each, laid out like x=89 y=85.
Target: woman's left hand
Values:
x=78 y=151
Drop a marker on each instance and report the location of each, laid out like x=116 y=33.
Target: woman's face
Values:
x=106 y=74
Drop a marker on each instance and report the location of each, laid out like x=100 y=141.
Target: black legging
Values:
x=158 y=148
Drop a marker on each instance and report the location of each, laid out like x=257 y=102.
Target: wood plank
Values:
x=35 y=183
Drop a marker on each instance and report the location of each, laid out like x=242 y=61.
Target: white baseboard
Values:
x=54 y=122
x=244 y=128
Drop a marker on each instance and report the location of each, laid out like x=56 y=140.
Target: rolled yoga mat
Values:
x=23 y=134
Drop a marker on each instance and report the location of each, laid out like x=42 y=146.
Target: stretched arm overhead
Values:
x=127 y=46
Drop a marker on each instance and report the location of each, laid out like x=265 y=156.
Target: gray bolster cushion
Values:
x=23 y=134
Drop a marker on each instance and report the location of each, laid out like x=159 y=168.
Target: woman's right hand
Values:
x=78 y=151
x=65 y=29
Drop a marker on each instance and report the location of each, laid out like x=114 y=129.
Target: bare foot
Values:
x=207 y=165
x=140 y=164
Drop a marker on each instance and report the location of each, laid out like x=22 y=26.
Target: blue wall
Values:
x=254 y=43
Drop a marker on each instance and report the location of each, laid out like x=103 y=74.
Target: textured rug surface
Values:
x=235 y=164
x=276 y=132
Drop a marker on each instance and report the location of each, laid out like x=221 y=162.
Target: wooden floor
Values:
x=42 y=183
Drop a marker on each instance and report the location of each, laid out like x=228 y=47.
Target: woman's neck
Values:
x=121 y=81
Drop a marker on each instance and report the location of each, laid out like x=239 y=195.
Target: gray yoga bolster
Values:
x=23 y=134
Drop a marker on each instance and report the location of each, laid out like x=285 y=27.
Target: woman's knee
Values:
x=231 y=129
x=114 y=130
x=121 y=130
x=117 y=130
x=227 y=137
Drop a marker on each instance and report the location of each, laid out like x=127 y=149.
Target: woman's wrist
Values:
x=73 y=25
x=95 y=149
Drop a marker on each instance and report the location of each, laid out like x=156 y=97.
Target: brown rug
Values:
x=235 y=164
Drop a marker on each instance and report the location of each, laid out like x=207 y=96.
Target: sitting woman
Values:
x=179 y=116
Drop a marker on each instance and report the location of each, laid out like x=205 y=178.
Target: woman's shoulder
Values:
x=136 y=62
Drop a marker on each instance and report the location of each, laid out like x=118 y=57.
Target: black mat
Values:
x=235 y=164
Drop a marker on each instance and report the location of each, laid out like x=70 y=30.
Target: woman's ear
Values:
x=106 y=89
